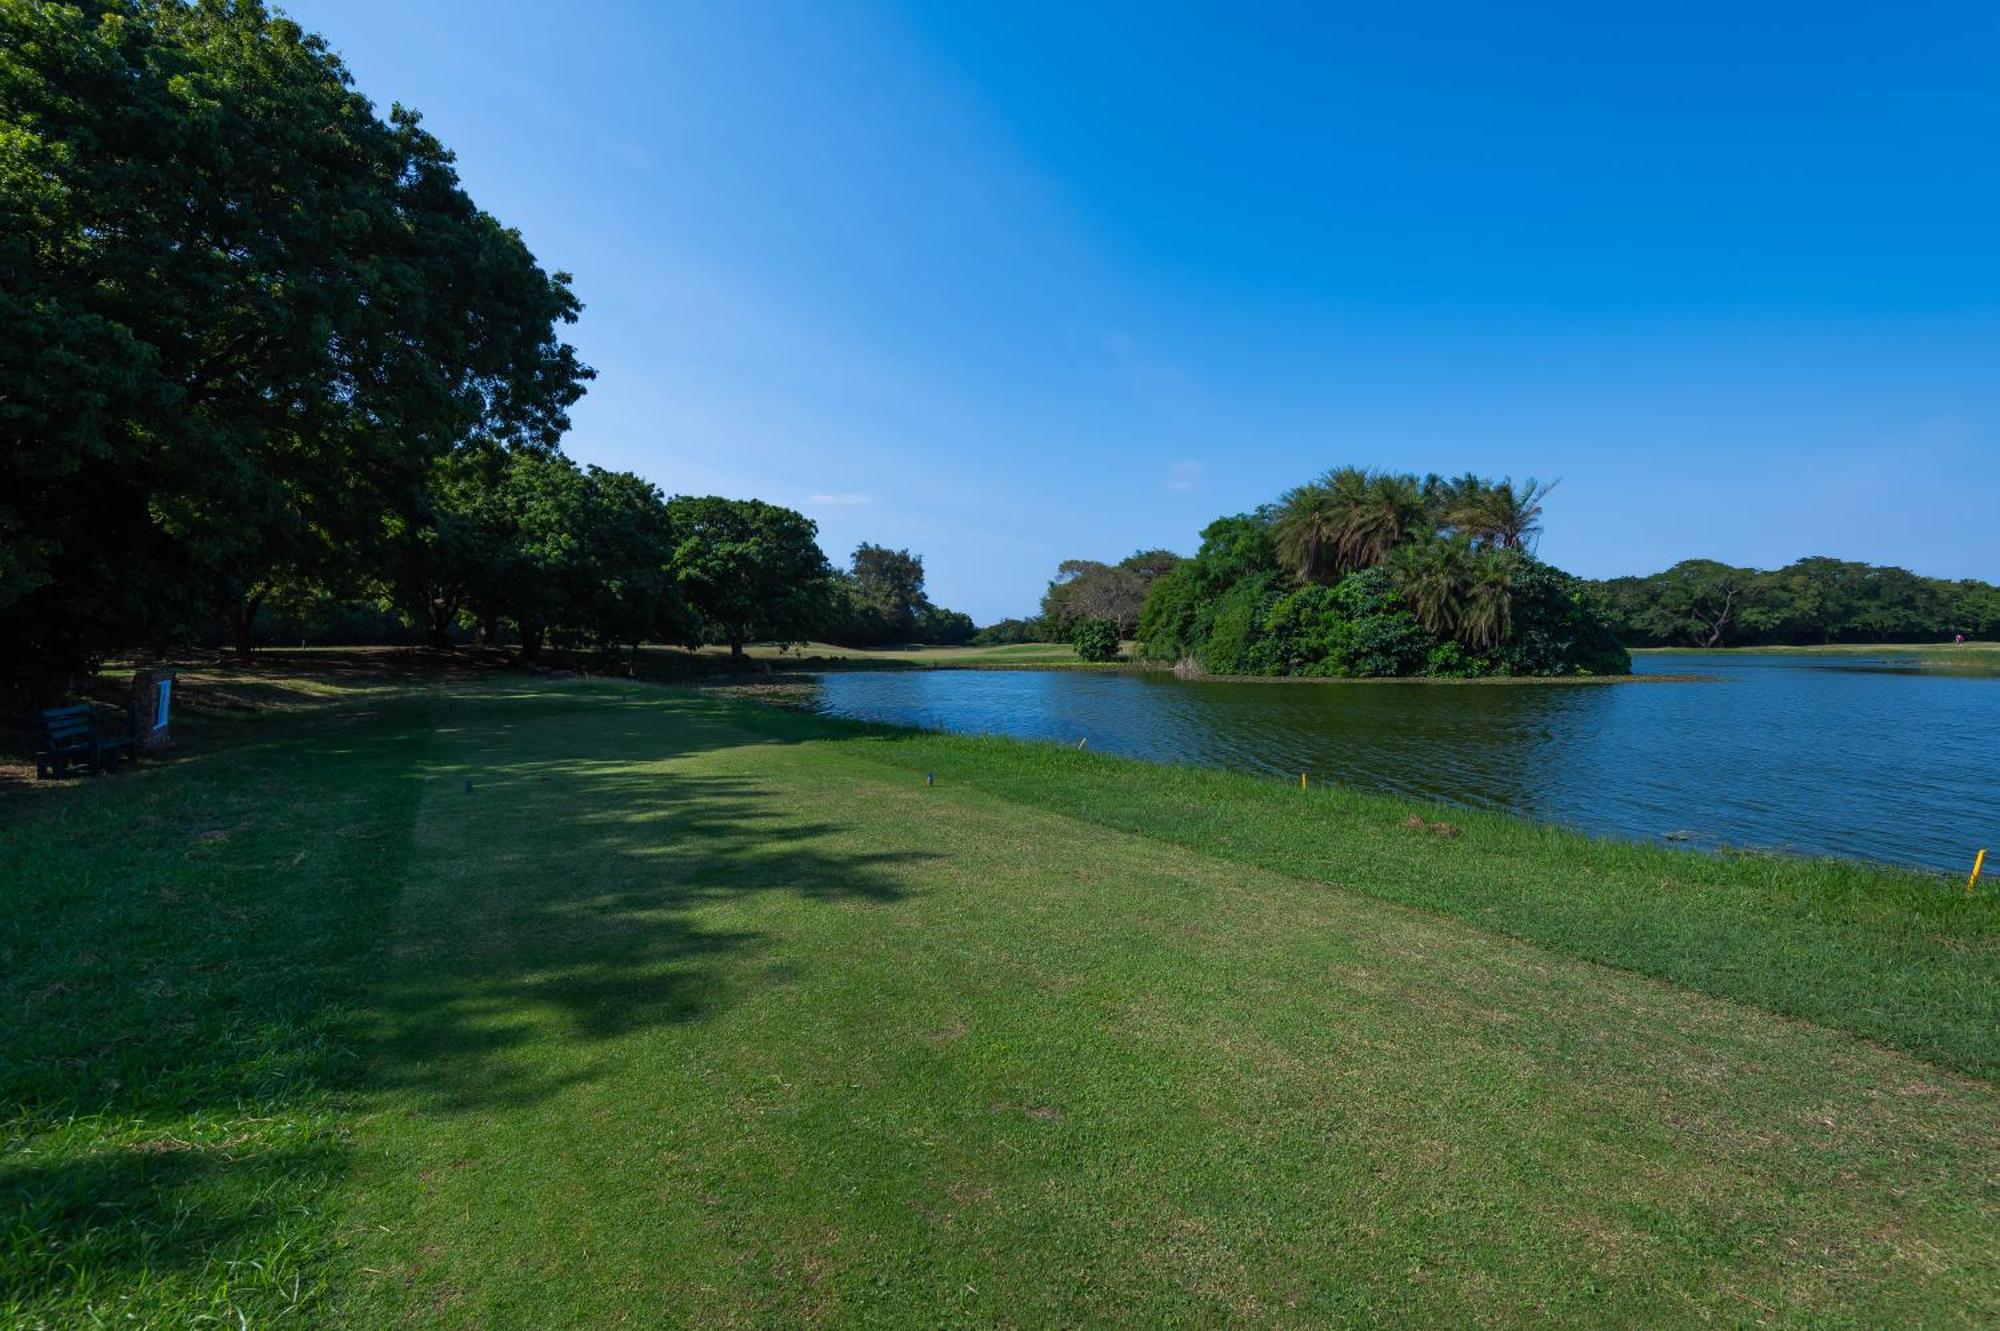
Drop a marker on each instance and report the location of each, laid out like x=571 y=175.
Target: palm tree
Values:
x=1454 y=500
x=1350 y=519
x=1503 y=518
x=1390 y=511
x=1431 y=577
x=1309 y=527
x=1488 y=614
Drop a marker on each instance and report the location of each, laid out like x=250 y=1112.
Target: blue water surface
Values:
x=1867 y=758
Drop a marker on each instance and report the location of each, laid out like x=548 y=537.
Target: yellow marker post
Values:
x=1302 y=780
x=1977 y=861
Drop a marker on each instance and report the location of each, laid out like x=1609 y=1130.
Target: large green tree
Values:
x=889 y=586
x=752 y=571
x=880 y=598
x=576 y=554
x=241 y=316
x=627 y=540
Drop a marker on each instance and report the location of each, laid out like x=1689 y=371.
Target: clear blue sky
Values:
x=1013 y=283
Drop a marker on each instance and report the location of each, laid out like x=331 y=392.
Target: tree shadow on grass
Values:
x=181 y=954
x=581 y=924
x=157 y=1211
x=198 y=968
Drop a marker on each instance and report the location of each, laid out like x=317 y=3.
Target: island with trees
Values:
x=1379 y=574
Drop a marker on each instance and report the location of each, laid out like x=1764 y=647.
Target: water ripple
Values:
x=1780 y=751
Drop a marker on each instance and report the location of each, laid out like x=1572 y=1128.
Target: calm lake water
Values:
x=1802 y=753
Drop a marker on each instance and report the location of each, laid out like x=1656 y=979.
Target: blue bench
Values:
x=76 y=735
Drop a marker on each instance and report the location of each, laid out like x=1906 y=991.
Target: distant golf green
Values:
x=493 y=1003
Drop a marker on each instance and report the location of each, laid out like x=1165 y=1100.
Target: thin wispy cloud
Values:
x=1184 y=476
x=841 y=499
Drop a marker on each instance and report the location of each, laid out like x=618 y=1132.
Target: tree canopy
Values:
x=258 y=347
x=880 y=599
x=245 y=317
x=752 y=571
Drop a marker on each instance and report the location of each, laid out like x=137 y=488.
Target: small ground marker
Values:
x=1302 y=780
x=1978 y=861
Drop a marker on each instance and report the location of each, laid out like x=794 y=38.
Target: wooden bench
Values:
x=76 y=735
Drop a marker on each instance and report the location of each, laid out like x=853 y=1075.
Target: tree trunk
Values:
x=736 y=651
x=246 y=623
x=437 y=627
x=531 y=642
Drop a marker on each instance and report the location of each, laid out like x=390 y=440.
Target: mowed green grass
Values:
x=1870 y=649
x=690 y=1012
x=1980 y=658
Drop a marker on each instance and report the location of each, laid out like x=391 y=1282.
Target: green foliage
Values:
x=1371 y=633
x=1009 y=633
x=946 y=628
x=1166 y=621
x=1370 y=574
x=1231 y=639
x=574 y=555
x=1558 y=627
x=1096 y=640
x=879 y=600
x=1448 y=660
x=1236 y=547
x=1356 y=628
x=1703 y=603
x=1178 y=614
x=628 y=595
x=750 y=570
x=889 y=586
x=245 y=316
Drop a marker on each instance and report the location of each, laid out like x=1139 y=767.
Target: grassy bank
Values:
x=1980 y=658
x=1915 y=649
x=1975 y=656
x=490 y=1002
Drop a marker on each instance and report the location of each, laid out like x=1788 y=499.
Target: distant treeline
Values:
x=1702 y=603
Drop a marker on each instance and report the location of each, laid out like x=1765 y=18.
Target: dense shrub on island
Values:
x=1367 y=574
